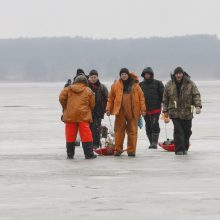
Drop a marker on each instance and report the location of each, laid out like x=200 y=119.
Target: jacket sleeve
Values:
x=63 y=97
x=105 y=92
x=165 y=99
x=91 y=99
x=111 y=98
x=142 y=100
x=161 y=90
x=196 y=97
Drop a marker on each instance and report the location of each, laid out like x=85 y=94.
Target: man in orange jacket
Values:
x=126 y=101
x=78 y=101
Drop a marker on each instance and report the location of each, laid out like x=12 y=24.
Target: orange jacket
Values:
x=116 y=94
x=77 y=101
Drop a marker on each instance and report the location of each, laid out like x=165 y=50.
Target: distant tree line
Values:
x=56 y=59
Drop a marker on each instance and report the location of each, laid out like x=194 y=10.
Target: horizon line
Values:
x=113 y=38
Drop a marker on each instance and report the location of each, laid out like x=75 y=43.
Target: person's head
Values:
x=81 y=79
x=178 y=74
x=93 y=76
x=80 y=72
x=124 y=74
x=147 y=73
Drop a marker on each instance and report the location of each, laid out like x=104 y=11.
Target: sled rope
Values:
x=165 y=130
x=112 y=130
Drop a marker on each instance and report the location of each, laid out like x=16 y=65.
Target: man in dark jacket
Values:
x=153 y=93
x=180 y=97
x=101 y=98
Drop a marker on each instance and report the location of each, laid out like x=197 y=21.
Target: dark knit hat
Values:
x=93 y=72
x=147 y=70
x=178 y=70
x=81 y=79
x=80 y=72
x=124 y=70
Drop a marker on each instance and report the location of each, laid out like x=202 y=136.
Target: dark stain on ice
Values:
x=97 y=197
x=89 y=187
x=14 y=106
x=109 y=209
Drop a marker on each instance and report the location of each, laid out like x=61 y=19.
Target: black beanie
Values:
x=80 y=72
x=124 y=70
x=147 y=70
x=178 y=70
x=93 y=72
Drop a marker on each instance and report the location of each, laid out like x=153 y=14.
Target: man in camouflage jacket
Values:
x=180 y=97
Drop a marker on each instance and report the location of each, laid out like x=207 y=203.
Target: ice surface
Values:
x=37 y=182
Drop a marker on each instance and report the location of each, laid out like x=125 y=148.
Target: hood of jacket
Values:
x=186 y=77
x=78 y=87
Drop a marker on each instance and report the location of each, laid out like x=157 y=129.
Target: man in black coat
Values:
x=101 y=98
x=153 y=92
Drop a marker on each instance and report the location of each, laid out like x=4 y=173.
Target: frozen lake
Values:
x=37 y=182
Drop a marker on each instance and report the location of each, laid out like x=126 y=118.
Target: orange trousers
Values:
x=130 y=126
x=72 y=129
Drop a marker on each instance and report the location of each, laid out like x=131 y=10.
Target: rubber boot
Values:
x=70 y=149
x=131 y=154
x=149 y=135
x=88 y=150
x=155 y=137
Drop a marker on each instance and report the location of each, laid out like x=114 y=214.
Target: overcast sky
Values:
x=108 y=18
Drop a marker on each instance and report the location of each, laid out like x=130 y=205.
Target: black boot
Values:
x=131 y=154
x=149 y=135
x=155 y=137
x=88 y=150
x=70 y=149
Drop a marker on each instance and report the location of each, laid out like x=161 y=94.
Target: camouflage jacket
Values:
x=181 y=106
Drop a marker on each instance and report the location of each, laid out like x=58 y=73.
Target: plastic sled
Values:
x=106 y=151
x=168 y=145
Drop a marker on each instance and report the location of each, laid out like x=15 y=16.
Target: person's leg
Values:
x=86 y=138
x=132 y=129
x=148 y=128
x=155 y=130
x=179 y=139
x=119 y=128
x=95 y=128
x=71 y=133
x=187 y=126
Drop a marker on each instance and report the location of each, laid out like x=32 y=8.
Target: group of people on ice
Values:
x=86 y=100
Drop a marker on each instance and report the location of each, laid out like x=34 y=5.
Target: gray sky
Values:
x=108 y=18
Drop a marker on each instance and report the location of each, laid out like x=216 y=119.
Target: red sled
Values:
x=168 y=147
x=106 y=151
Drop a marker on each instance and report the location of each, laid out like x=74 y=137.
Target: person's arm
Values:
x=110 y=102
x=105 y=92
x=161 y=90
x=165 y=100
x=196 y=97
x=142 y=101
x=63 y=97
x=91 y=99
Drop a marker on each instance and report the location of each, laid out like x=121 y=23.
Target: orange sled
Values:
x=106 y=151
